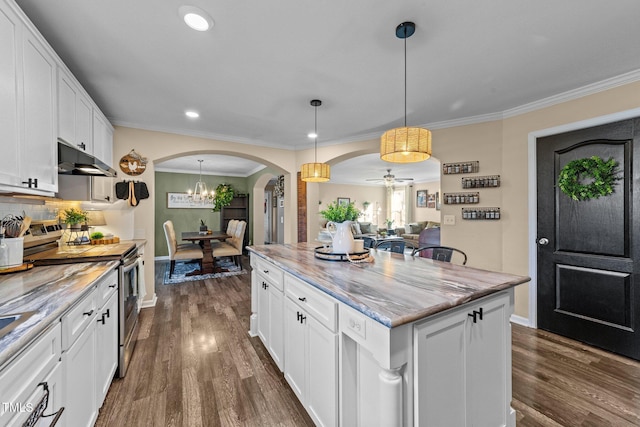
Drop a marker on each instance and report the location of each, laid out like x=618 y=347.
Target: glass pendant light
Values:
x=200 y=194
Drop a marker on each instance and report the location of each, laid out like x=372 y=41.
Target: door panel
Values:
x=587 y=287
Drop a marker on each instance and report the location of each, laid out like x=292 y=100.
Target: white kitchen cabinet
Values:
x=10 y=100
x=79 y=363
x=269 y=283
x=23 y=377
x=311 y=350
x=27 y=107
x=102 y=138
x=106 y=347
x=462 y=377
x=75 y=113
x=86 y=188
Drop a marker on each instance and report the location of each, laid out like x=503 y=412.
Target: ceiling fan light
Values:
x=405 y=145
x=315 y=172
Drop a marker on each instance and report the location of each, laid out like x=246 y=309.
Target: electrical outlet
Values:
x=449 y=220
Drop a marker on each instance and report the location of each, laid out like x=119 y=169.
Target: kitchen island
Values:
x=399 y=341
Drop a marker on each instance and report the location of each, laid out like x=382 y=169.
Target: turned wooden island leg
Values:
x=391 y=405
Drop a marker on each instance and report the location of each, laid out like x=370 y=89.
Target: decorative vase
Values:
x=343 y=241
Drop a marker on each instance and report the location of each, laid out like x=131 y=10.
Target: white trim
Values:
x=519 y=320
x=533 y=191
x=162 y=258
x=149 y=303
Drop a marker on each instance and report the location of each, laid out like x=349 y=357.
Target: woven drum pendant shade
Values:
x=405 y=145
x=315 y=172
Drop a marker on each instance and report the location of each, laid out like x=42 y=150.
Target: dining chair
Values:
x=439 y=253
x=233 y=246
x=231 y=229
x=180 y=252
x=369 y=242
x=396 y=246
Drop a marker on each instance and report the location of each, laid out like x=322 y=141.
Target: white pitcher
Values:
x=343 y=241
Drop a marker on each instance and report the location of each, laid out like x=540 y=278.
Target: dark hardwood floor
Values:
x=195 y=365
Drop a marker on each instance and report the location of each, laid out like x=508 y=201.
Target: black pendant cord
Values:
x=405 y=77
x=315 y=132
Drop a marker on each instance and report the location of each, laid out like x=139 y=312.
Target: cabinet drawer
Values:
x=78 y=318
x=107 y=286
x=270 y=272
x=318 y=304
x=21 y=377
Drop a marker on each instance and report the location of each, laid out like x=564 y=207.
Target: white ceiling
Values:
x=252 y=76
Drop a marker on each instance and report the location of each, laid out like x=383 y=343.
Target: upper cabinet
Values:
x=75 y=114
x=27 y=108
x=40 y=100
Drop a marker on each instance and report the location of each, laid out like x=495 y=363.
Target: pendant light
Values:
x=315 y=172
x=405 y=144
x=200 y=194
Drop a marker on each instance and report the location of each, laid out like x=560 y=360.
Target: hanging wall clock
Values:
x=133 y=163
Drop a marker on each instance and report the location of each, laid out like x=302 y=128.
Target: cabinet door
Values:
x=84 y=124
x=10 y=31
x=102 y=139
x=295 y=349
x=276 y=326
x=80 y=380
x=39 y=157
x=322 y=396
x=263 y=310
x=66 y=108
x=440 y=371
x=487 y=365
x=106 y=347
x=102 y=188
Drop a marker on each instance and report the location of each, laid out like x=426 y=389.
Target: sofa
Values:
x=358 y=229
x=411 y=232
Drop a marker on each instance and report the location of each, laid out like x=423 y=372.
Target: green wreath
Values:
x=603 y=176
x=223 y=197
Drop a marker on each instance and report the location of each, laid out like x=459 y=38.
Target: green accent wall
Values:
x=187 y=219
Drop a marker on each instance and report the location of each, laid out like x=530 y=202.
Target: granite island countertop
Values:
x=49 y=291
x=394 y=289
x=81 y=253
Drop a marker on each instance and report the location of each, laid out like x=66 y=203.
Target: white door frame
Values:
x=533 y=192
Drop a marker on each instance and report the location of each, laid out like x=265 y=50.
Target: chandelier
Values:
x=200 y=194
x=405 y=144
x=315 y=172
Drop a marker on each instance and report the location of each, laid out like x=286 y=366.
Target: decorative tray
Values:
x=323 y=252
x=23 y=267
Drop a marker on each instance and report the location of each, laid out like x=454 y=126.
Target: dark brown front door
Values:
x=588 y=253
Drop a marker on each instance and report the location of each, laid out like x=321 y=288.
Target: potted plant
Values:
x=340 y=217
x=97 y=238
x=222 y=196
x=75 y=219
x=390 y=230
x=203 y=225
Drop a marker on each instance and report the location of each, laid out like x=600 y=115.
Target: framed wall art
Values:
x=182 y=201
x=343 y=201
x=431 y=201
x=421 y=198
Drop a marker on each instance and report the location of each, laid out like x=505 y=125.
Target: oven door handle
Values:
x=128 y=267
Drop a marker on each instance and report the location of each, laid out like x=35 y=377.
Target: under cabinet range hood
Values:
x=72 y=161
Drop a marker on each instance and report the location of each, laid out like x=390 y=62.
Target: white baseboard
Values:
x=151 y=303
x=519 y=320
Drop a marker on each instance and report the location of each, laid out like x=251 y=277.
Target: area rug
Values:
x=183 y=268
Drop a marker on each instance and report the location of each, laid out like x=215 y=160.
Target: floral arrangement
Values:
x=340 y=213
x=603 y=175
x=73 y=216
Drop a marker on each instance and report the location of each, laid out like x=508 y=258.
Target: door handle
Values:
x=543 y=241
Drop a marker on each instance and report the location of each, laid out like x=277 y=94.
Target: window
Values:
x=398 y=207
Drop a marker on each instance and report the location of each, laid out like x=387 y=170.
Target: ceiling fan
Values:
x=389 y=179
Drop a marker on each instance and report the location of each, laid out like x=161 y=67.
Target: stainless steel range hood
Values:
x=72 y=161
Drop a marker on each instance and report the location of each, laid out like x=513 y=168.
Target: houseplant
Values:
x=203 y=225
x=222 y=197
x=75 y=218
x=340 y=217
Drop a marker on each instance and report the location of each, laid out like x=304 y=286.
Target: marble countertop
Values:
x=72 y=254
x=394 y=289
x=49 y=291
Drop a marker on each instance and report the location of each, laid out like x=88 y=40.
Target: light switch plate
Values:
x=449 y=220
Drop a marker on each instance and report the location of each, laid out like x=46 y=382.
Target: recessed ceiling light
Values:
x=196 y=18
x=312 y=135
x=191 y=114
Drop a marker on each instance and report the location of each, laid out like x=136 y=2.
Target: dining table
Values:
x=205 y=238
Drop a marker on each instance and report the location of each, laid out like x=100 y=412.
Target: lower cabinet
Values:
x=268 y=281
x=311 y=351
x=33 y=373
x=462 y=376
x=89 y=354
